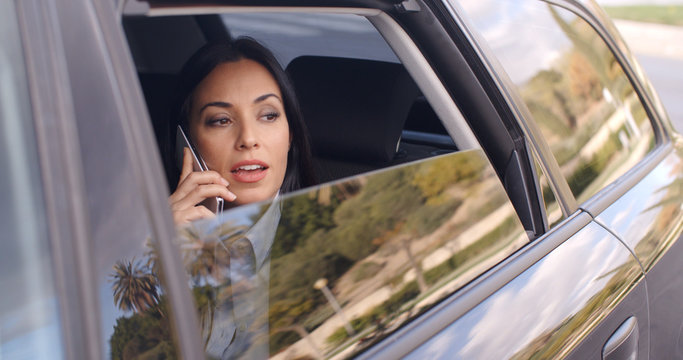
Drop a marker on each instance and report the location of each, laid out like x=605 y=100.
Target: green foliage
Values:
x=357 y=324
x=301 y=217
x=428 y=218
x=588 y=171
x=437 y=175
x=385 y=201
x=144 y=335
x=663 y=14
x=485 y=243
x=397 y=300
x=366 y=270
x=281 y=340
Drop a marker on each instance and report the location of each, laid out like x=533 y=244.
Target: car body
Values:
x=498 y=180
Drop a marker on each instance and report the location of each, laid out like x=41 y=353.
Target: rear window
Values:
x=574 y=87
x=403 y=216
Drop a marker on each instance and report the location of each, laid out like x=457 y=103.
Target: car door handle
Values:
x=623 y=344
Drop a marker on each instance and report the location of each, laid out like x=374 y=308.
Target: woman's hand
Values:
x=193 y=188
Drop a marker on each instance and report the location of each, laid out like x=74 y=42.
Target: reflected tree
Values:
x=135 y=286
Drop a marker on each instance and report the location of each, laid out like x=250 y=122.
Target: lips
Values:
x=249 y=171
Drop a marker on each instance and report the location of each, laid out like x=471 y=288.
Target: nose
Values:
x=247 y=137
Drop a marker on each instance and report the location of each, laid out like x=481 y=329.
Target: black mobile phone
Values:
x=215 y=204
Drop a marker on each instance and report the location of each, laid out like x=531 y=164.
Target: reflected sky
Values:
x=537 y=301
x=634 y=215
x=505 y=26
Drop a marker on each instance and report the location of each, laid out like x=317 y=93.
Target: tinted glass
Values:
x=29 y=314
x=332 y=270
x=290 y=35
x=574 y=87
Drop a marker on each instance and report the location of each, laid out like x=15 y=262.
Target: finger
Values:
x=195 y=179
x=192 y=214
x=187 y=164
x=201 y=193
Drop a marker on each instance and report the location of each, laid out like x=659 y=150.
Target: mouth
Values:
x=249 y=171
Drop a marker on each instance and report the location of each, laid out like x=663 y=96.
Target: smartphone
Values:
x=215 y=204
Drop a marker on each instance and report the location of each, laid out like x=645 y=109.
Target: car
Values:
x=498 y=179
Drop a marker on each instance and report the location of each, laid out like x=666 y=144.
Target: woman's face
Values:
x=240 y=128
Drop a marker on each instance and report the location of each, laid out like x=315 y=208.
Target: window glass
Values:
x=29 y=311
x=333 y=270
x=401 y=221
x=290 y=35
x=577 y=92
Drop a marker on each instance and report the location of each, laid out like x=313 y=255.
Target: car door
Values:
x=554 y=295
x=516 y=39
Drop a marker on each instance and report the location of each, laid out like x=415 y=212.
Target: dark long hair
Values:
x=299 y=172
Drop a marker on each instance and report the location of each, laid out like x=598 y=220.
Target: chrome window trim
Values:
x=135 y=7
x=420 y=330
x=563 y=194
x=62 y=178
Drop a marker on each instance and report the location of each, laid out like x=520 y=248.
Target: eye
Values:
x=270 y=116
x=219 y=121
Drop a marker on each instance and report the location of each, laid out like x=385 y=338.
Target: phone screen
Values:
x=215 y=204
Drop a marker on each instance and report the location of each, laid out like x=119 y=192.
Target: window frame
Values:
x=61 y=171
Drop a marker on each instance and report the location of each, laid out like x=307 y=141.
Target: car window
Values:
x=29 y=308
x=336 y=268
x=573 y=86
x=347 y=79
x=403 y=217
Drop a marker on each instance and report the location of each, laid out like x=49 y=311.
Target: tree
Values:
x=135 y=286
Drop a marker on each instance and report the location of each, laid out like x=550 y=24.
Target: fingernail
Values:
x=233 y=197
x=224 y=182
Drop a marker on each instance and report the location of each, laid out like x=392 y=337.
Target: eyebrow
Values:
x=224 y=104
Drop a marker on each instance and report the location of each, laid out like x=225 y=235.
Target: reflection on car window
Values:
x=336 y=268
x=29 y=314
x=574 y=87
x=552 y=208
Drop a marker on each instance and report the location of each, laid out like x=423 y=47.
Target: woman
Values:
x=243 y=117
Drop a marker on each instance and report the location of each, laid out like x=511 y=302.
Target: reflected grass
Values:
x=669 y=15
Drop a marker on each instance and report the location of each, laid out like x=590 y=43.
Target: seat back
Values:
x=355 y=111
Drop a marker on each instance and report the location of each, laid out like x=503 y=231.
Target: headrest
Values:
x=354 y=109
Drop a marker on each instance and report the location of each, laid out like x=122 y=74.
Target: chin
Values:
x=249 y=197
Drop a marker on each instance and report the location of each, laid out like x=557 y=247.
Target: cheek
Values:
x=214 y=151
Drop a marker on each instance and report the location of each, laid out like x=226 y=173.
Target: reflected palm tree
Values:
x=207 y=261
x=135 y=287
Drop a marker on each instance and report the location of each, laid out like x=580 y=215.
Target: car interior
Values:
x=362 y=114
